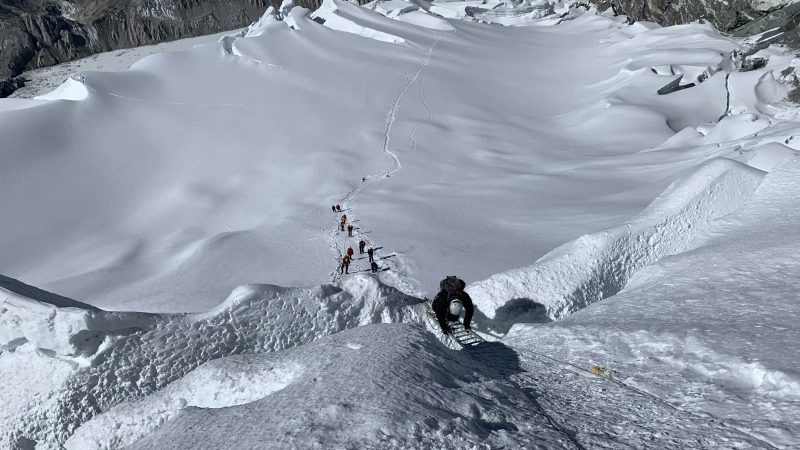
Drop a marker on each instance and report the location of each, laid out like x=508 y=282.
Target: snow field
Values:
x=211 y=199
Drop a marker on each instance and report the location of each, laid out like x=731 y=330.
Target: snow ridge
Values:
x=598 y=265
x=255 y=318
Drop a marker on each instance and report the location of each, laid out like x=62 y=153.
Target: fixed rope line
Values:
x=608 y=376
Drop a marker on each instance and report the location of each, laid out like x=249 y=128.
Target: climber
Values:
x=343 y=221
x=370 y=253
x=361 y=245
x=450 y=301
x=345 y=267
x=350 y=230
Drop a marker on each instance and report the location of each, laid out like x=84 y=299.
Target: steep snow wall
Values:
x=57 y=325
x=598 y=265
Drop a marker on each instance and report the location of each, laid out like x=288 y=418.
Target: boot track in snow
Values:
x=336 y=243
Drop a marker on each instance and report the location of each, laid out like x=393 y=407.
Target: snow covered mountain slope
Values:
x=166 y=186
x=45 y=79
x=711 y=329
x=537 y=161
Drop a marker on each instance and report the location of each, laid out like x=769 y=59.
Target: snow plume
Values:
x=598 y=265
x=150 y=354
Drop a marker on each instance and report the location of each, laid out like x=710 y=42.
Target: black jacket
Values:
x=441 y=304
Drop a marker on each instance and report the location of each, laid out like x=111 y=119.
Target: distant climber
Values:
x=350 y=230
x=350 y=252
x=370 y=253
x=338 y=208
x=374 y=266
x=343 y=221
x=333 y=208
x=361 y=245
x=345 y=267
x=451 y=301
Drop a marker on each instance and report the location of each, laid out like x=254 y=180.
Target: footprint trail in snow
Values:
x=390 y=268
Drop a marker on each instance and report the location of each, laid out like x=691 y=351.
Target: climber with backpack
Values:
x=345 y=266
x=451 y=301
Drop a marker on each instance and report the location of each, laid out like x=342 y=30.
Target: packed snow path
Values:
x=400 y=277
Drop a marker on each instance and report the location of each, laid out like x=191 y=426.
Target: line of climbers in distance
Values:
x=344 y=267
x=451 y=300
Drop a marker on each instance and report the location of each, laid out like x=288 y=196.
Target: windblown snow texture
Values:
x=653 y=237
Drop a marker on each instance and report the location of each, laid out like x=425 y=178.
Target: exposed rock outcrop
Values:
x=38 y=33
x=738 y=17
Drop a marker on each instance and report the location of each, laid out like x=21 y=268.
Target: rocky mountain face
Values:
x=779 y=18
x=38 y=33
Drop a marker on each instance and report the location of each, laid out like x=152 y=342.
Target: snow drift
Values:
x=598 y=265
x=143 y=353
